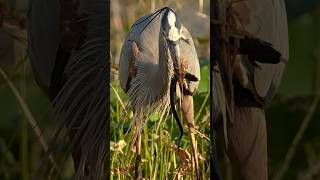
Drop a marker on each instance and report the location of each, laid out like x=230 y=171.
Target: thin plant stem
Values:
x=202 y=106
x=28 y=115
x=293 y=147
x=24 y=131
x=119 y=99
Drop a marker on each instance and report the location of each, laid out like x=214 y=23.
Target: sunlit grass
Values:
x=160 y=157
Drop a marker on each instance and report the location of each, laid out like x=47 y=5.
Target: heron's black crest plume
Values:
x=152 y=16
x=258 y=50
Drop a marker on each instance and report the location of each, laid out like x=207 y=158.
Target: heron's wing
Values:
x=152 y=65
x=189 y=54
x=125 y=56
x=43 y=39
x=267 y=21
x=145 y=33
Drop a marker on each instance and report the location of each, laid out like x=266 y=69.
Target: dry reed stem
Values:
x=26 y=111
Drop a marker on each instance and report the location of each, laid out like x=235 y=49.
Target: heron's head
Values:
x=172 y=29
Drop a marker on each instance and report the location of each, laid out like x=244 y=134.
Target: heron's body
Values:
x=157 y=49
x=152 y=64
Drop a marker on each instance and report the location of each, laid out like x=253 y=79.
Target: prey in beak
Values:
x=171 y=27
x=173 y=33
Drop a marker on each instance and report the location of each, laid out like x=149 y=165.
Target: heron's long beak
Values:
x=175 y=56
x=175 y=53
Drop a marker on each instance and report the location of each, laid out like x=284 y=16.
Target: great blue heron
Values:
x=157 y=53
x=68 y=50
x=251 y=65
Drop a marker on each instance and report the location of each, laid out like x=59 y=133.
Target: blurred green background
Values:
x=293 y=117
x=20 y=150
x=21 y=153
x=287 y=115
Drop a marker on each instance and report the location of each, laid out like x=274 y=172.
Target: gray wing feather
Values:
x=83 y=100
x=146 y=43
x=189 y=53
x=154 y=66
x=125 y=55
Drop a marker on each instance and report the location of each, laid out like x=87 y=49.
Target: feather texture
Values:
x=82 y=101
x=154 y=66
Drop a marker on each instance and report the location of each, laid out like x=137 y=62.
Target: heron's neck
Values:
x=166 y=68
x=163 y=72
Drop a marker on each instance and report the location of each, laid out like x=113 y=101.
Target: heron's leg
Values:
x=137 y=121
x=188 y=116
